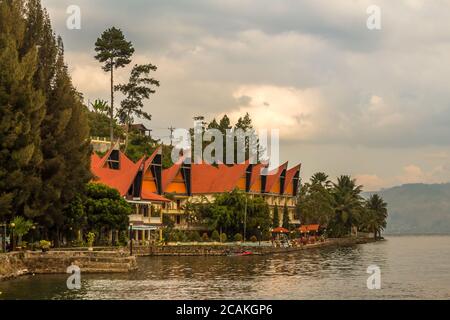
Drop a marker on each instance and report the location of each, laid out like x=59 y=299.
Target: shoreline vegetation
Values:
x=48 y=200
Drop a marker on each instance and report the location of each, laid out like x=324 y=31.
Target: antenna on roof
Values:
x=171 y=129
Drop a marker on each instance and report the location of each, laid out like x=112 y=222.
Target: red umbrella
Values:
x=280 y=230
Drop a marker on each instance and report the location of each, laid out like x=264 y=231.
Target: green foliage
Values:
x=22 y=226
x=90 y=238
x=114 y=52
x=100 y=106
x=22 y=109
x=105 y=208
x=340 y=206
x=253 y=239
x=276 y=217
x=195 y=236
x=374 y=217
x=138 y=88
x=100 y=210
x=99 y=125
x=44 y=244
x=286 y=223
x=237 y=237
x=45 y=151
x=215 y=236
x=315 y=202
x=223 y=238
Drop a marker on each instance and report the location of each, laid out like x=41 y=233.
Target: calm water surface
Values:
x=412 y=267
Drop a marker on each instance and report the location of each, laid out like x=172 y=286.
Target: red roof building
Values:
x=146 y=185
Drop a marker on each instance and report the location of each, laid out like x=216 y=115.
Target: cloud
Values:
x=371 y=182
x=310 y=68
x=290 y=110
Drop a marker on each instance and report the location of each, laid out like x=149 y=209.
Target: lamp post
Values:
x=245 y=219
x=260 y=235
x=13 y=225
x=33 y=228
x=131 y=239
x=4 y=237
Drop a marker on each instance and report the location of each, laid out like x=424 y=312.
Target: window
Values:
x=178 y=219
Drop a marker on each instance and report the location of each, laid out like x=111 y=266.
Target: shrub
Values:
x=237 y=237
x=205 y=237
x=215 y=236
x=195 y=236
x=223 y=237
x=179 y=236
x=90 y=239
x=253 y=239
x=44 y=244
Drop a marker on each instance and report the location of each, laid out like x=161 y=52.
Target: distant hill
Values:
x=417 y=208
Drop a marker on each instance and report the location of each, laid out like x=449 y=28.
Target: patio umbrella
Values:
x=280 y=230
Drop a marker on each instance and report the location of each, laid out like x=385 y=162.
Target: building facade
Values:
x=155 y=192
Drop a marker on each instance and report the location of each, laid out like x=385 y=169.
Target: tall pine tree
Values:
x=21 y=112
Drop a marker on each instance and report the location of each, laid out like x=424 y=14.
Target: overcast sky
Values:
x=347 y=100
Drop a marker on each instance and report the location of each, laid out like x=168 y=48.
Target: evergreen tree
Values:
x=285 y=217
x=138 y=88
x=39 y=35
x=275 y=217
x=115 y=52
x=21 y=113
x=65 y=146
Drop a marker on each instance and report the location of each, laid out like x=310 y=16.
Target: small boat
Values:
x=245 y=253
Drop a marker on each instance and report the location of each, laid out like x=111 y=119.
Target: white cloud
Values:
x=295 y=112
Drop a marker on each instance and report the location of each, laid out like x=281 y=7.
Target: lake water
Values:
x=412 y=267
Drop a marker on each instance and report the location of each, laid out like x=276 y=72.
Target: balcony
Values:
x=173 y=211
x=152 y=220
x=136 y=218
x=146 y=220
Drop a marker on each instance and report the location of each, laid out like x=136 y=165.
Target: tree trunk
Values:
x=126 y=137
x=111 y=109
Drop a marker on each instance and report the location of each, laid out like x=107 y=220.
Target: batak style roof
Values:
x=202 y=178
x=207 y=178
x=124 y=176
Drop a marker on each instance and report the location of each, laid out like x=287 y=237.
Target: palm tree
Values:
x=100 y=106
x=377 y=205
x=320 y=178
x=347 y=203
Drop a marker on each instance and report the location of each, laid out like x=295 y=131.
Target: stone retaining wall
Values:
x=19 y=263
x=225 y=250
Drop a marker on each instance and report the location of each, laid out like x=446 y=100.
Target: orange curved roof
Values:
x=149 y=160
x=150 y=196
x=290 y=174
x=123 y=178
x=120 y=179
x=272 y=177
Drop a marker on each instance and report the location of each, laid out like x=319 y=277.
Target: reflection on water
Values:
x=411 y=268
